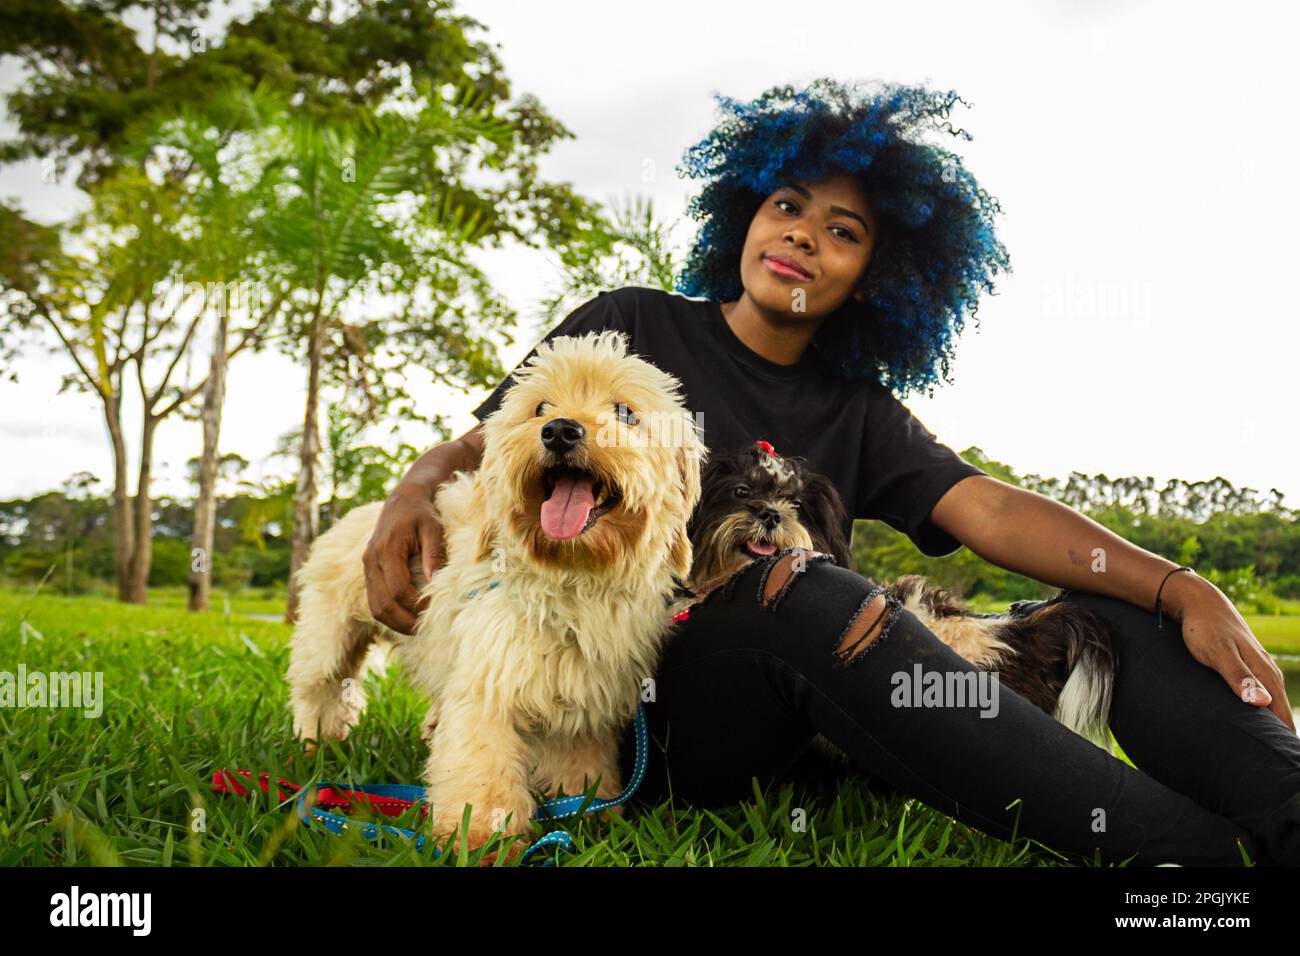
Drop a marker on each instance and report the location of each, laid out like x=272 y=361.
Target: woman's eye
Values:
x=539 y=408
x=625 y=414
x=847 y=232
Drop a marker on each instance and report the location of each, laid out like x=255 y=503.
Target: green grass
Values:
x=267 y=601
x=1280 y=634
x=187 y=694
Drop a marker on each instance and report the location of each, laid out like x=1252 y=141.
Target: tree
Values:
x=106 y=288
x=397 y=75
x=218 y=150
x=366 y=220
x=635 y=249
x=358 y=472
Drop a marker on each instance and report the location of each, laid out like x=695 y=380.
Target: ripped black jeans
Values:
x=742 y=689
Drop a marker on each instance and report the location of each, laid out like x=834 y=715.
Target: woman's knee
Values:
x=1115 y=610
x=802 y=593
x=1279 y=835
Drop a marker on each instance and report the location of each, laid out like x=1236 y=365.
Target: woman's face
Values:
x=825 y=228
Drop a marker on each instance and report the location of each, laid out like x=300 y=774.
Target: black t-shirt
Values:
x=884 y=462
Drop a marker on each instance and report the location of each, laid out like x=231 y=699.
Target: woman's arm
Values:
x=407 y=527
x=1031 y=534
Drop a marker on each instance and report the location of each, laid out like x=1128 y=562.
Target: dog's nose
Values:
x=560 y=435
x=769 y=518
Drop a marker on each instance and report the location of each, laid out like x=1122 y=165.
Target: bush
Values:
x=171 y=563
x=1244 y=589
x=1287 y=585
x=90 y=567
x=257 y=567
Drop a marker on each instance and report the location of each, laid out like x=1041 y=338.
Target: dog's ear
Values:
x=691 y=457
x=825 y=516
x=680 y=555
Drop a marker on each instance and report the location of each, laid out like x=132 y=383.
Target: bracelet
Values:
x=1159 y=622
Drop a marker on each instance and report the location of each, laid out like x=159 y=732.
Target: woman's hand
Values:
x=406 y=527
x=1218 y=637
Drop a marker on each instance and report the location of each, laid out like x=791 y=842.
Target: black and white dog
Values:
x=755 y=503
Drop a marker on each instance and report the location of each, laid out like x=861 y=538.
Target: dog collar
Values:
x=476 y=590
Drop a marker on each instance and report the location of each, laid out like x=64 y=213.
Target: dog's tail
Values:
x=1079 y=647
x=1084 y=705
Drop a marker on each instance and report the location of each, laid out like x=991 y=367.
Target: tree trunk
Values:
x=305 y=515
x=122 y=519
x=142 y=553
x=214 y=395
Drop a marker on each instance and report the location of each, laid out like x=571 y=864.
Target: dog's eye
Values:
x=742 y=491
x=539 y=408
x=625 y=414
x=796 y=504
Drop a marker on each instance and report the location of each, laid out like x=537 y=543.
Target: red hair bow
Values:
x=767 y=448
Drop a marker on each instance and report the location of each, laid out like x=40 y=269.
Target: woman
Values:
x=838 y=255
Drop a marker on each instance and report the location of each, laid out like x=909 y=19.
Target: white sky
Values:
x=1144 y=154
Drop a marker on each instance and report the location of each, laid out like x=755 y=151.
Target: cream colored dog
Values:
x=557 y=591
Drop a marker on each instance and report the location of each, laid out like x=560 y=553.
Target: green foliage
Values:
x=1287 y=585
x=1189 y=550
x=635 y=250
x=330 y=155
x=352 y=112
x=358 y=472
x=362 y=215
x=1249 y=532
x=171 y=562
x=1243 y=588
x=66 y=535
x=253 y=526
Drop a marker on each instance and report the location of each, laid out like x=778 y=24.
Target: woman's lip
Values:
x=783 y=270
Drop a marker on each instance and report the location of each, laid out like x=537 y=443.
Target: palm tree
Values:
x=367 y=214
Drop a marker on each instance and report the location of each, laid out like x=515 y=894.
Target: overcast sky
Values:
x=1145 y=155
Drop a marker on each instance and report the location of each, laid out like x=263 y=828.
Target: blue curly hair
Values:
x=936 y=247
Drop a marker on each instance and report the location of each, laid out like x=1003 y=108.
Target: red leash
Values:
x=224 y=781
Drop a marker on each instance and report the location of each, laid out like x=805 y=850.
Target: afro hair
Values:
x=936 y=248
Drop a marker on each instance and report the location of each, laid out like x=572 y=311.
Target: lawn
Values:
x=184 y=695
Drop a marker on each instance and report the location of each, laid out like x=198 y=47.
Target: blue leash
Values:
x=556 y=809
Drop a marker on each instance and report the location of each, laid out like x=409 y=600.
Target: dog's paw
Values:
x=506 y=845
x=508 y=854
x=311 y=744
x=351 y=706
x=482 y=831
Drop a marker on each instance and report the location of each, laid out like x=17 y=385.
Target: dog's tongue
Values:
x=761 y=548
x=565 y=513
